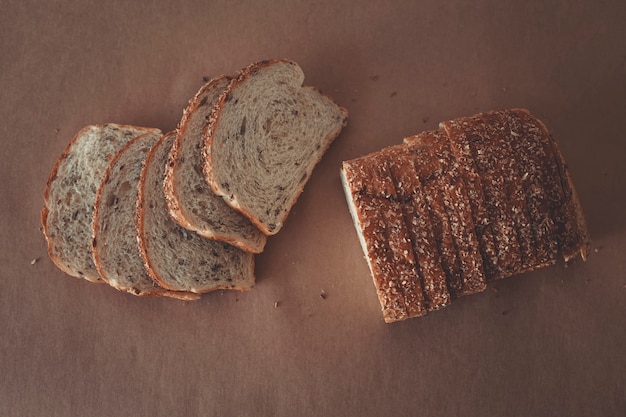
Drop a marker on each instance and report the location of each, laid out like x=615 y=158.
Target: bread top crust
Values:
x=190 y=200
x=273 y=219
x=78 y=262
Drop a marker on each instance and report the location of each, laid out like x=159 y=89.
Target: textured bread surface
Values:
x=190 y=200
x=265 y=136
x=67 y=215
x=177 y=258
x=482 y=198
x=115 y=247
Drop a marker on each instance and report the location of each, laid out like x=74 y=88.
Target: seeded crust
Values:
x=264 y=138
x=383 y=240
x=190 y=200
x=468 y=136
x=423 y=223
x=572 y=231
x=114 y=244
x=536 y=172
x=177 y=258
x=70 y=194
x=440 y=164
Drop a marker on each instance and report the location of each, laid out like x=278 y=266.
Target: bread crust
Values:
x=214 y=119
x=57 y=259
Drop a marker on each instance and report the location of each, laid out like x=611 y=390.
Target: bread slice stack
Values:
x=184 y=213
x=441 y=215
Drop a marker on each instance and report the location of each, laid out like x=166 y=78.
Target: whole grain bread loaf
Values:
x=190 y=200
x=115 y=247
x=177 y=258
x=483 y=198
x=265 y=136
x=70 y=195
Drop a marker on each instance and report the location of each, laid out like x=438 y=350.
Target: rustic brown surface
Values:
x=309 y=339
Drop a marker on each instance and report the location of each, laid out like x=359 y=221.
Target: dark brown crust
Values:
x=384 y=189
x=208 y=144
x=157 y=290
x=441 y=167
x=528 y=148
x=572 y=231
x=373 y=227
x=419 y=221
x=46 y=196
x=141 y=232
x=466 y=138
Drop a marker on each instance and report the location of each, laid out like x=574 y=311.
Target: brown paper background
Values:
x=547 y=343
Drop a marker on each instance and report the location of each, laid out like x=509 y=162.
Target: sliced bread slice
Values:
x=190 y=200
x=115 y=248
x=177 y=258
x=265 y=136
x=70 y=195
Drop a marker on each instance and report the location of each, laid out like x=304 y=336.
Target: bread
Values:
x=190 y=201
x=180 y=259
x=500 y=201
x=449 y=201
x=265 y=136
x=115 y=249
x=70 y=195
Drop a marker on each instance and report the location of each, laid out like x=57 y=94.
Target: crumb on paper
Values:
x=34 y=261
x=206 y=78
x=57 y=130
x=276 y=304
x=323 y=295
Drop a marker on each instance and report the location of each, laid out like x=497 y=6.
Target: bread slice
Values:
x=190 y=200
x=536 y=171
x=70 y=195
x=470 y=136
x=265 y=136
x=383 y=237
x=439 y=170
x=425 y=225
x=571 y=226
x=115 y=248
x=177 y=258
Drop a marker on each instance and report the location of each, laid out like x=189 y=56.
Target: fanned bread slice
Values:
x=265 y=136
x=70 y=195
x=177 y=258
x=190 y=200
x=115 y=248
